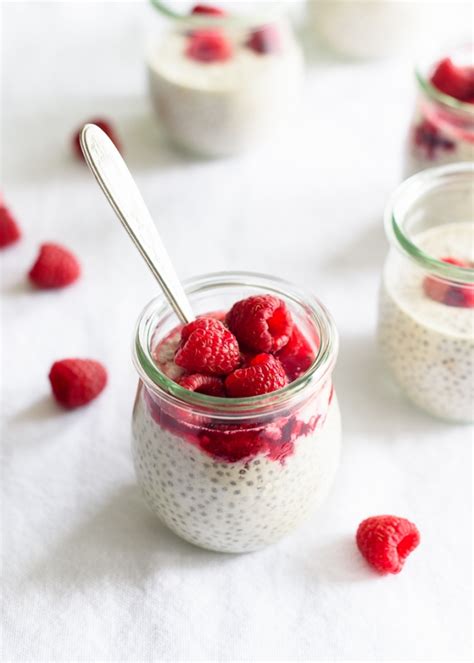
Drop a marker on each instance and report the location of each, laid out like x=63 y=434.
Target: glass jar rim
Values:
x=188 y=21
x=432 y=92
x=406 y=194
x=176 y=395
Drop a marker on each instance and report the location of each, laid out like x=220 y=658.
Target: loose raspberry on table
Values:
x=262 y=375
x=297 y=355
x=450 y=293
x=207 y=347
x=9 y=229
x=208 y=9
x=103 y=124
x=261 y=323
x=203 y=384
x=386 y=541
x=454 y=80
x=76 y=382
x=55 y=267
x=266 y=39
x=208 y=46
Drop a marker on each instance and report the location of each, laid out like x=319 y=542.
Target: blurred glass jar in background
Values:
x=366 y=28
x=426 y=311
x=442 y=130
x=222 y=82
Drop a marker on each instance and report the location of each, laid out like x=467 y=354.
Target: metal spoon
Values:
x=119 y=187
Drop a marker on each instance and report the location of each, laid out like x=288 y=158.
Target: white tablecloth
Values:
x=89 y=574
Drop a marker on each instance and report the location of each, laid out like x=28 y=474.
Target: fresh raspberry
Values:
x=261 y=323
x=103 y=124
x=457 y=82
x=386 y=541
x=263 y=374
x=207 y=9
x=203 y=384
x=297 y=355
x=265 y=40
x=55 y=267
x=233 y=444
x=208 y=46
x=9 y=229
x=76 y=382
x=208 y=347
x=450 y=294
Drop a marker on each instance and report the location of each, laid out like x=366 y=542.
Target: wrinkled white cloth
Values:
x=89 y=574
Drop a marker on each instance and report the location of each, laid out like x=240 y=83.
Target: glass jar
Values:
x=426 y=312
x=221 y=84
x=235 y=475
x=366 y=28
x=442 y=129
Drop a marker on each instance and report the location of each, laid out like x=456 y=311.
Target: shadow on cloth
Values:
x=121 y=542
x=371 y=404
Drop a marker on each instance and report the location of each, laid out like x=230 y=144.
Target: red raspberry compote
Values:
x=234 y=474
x=442 y=130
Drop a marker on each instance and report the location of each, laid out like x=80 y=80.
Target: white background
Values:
x=89 y=574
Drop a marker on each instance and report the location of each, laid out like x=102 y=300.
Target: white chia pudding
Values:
x=242 y=505
x=223 y=107
x=428 y=345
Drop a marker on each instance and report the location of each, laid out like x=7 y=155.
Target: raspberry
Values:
x=232 y=444
x=431 y=140
x=261 y=323
x=297 y=355
x=457 y=82
x=208 y=347
x=263 y=374
x=76 y=382
x=208 y=46
x=55 y=267
x=386 y=541
x=448 y=293
x=207 y=9
x=203 y=384
x=265 y=40
x=9 y=229
x=103 y=124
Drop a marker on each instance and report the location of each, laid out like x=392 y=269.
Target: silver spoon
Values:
x=119 y=187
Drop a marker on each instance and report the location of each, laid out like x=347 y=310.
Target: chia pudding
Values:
x=426 y=319
x=223 y=84
x=234 y=474
x=442 y=130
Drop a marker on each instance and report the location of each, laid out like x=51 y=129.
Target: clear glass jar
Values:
x=220 y=96
x=442 y=129
x=366 y=28
x=235 y=475
x=426 y=311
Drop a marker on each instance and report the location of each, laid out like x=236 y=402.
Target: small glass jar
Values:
x=366 y=28
x=221 y=95
x=235 y=475
x=442 y=129
x=426 y=311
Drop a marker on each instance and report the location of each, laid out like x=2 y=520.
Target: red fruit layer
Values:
x=453 y=80
x=450 y=294
x=274 y=438
x=265 y=40
x=208 y=10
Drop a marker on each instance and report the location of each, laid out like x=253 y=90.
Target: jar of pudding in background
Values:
x=426 y=311
x=367 y=28
x=442 y=130
x=235 y=474
x=221 y=84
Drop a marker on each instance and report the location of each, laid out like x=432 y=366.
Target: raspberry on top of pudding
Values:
x=454 y=80
x=254 y=349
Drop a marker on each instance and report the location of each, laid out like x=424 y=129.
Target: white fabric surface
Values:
x=89 y=574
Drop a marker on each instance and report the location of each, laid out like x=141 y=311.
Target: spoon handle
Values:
x=119 y=187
